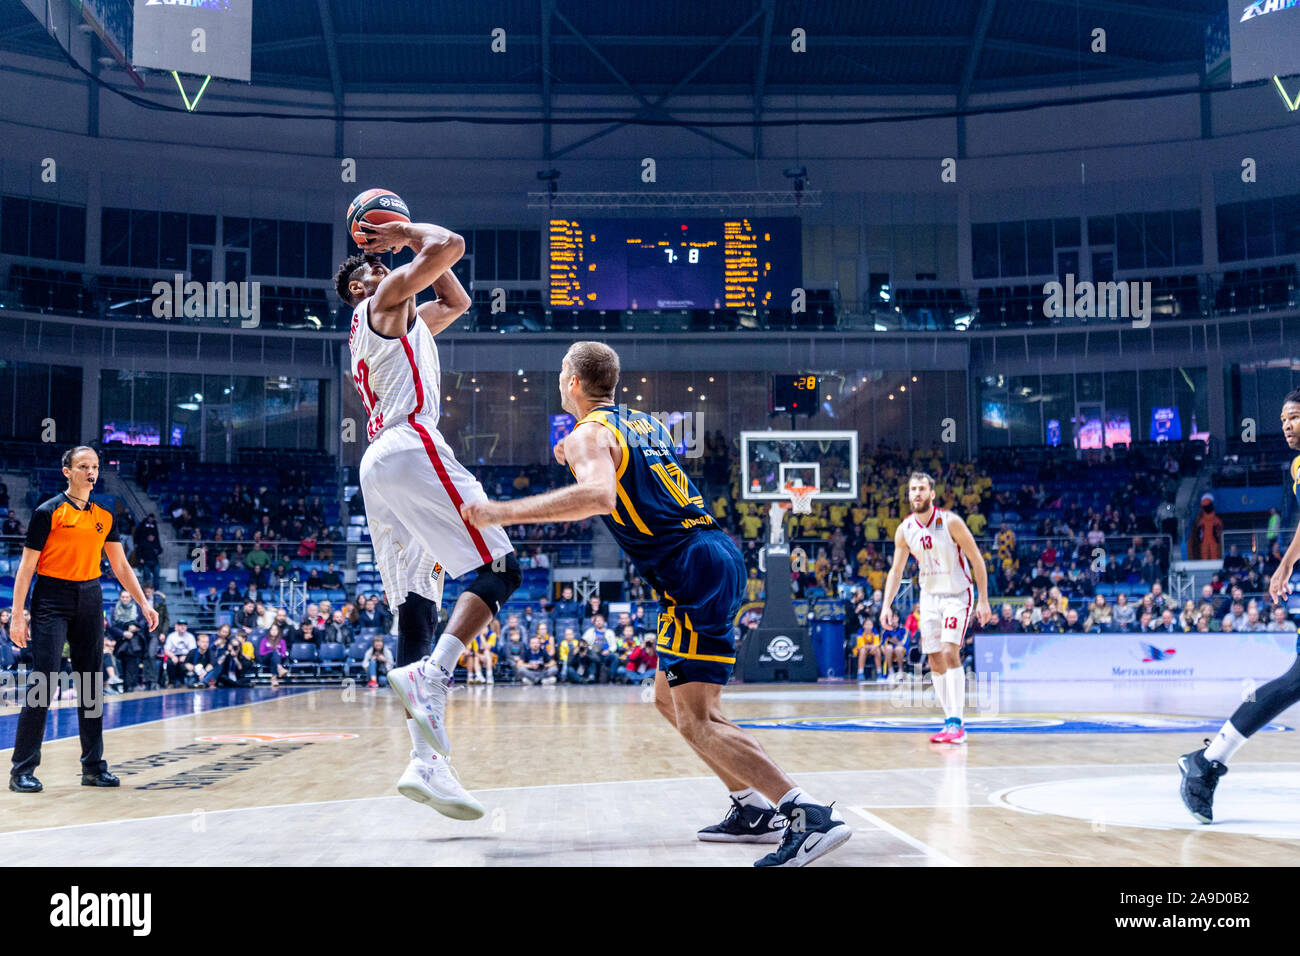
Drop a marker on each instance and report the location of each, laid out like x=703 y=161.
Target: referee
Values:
x=64 y=541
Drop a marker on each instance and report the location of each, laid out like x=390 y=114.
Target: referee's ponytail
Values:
x=71 y=453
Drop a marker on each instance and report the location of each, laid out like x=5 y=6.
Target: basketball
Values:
x=375 y=206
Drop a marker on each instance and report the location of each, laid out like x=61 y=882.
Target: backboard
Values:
x=826 y=460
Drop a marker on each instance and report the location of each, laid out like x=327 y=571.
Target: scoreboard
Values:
x=794 y=394
x=673 y=263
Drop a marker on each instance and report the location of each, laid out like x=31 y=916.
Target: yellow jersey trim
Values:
x=698 y=657
x=631 y=512
x=599 y=415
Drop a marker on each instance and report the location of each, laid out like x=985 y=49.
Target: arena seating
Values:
x=1256 y=289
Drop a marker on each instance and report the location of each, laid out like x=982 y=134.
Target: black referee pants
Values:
x=71 y=611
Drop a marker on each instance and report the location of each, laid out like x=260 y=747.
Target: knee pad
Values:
x=417 y=617
x=494 y=582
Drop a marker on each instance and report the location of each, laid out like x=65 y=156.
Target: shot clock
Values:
x=794 y=394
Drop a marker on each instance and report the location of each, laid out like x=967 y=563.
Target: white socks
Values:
x=418 y=743
x=447 y=653
x=1227 y=743
x=798 y=796
x=950 y=688
x=956 y=677
x=750 y=797
x=940 y=682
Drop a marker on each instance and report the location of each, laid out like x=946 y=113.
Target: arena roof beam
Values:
x=699 y=68
x=336 y=75
x=652 y=109
x=969 y=68
x=297 y=43
x=674 y=200
x=20 y=31
x=684 y=40
x=547 y=9
x=760 y=75
x=973 y=55
x=1070 y=54
x=1155 y=12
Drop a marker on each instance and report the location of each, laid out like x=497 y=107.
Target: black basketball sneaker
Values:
x=1200 y=777
x=813 y=831
x=746 y=824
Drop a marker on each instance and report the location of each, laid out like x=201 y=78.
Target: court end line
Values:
x=933 y=854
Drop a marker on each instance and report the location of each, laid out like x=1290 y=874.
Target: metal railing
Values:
x=1026 y=546
x=1256 y=541
x=204 y=555
x=1180 y=294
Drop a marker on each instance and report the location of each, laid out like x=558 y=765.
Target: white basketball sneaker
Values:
x=422 y=688
x=433 y=781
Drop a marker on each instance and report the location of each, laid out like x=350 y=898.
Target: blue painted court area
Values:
x=1009 y=724
x=142 y=710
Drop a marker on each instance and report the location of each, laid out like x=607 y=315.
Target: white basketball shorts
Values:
x=943 y=619
x=413 y=488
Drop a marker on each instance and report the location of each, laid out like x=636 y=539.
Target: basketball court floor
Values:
x=1070 y=774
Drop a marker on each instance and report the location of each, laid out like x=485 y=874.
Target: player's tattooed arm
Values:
x=588 y=452
x=888 y=619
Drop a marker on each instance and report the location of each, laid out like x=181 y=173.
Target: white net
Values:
x=801 y=500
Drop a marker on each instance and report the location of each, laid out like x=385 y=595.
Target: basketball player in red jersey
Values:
x=951 y=567
x=414 y=487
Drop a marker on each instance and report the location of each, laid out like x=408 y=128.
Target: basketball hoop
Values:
x=800 y=498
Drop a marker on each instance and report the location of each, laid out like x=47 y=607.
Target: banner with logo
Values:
x=1135 y=657
x=1264 y=38
x=203 y=37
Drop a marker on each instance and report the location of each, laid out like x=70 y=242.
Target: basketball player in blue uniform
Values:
x=626 y=472
x=1202 y=768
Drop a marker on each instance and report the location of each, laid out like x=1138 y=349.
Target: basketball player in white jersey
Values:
x=414 y=487
x=948 y=557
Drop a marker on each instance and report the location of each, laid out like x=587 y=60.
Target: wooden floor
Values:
x=593 y=776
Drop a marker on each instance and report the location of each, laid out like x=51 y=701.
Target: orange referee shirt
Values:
x=70 y=539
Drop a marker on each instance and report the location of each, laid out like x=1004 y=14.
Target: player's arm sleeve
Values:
x=38 y=532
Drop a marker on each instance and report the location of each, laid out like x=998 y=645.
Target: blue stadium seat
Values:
x=304 y=658
x=332 y=658
x=355 y=658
